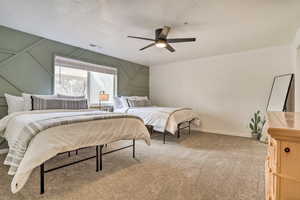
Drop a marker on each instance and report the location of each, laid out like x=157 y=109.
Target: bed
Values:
x=160 y=119
x=59 y=131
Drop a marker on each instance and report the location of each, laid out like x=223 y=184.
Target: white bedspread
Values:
x=52 y=141
x=164 y=118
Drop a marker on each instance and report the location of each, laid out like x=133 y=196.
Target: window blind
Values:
x=77 y=64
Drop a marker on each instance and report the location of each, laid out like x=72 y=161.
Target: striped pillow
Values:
x=139 y=103
x=58 y=103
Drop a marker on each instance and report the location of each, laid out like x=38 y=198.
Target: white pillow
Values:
x=118 y=104
x=124 y=102
x=14 y=103
x=28 y=100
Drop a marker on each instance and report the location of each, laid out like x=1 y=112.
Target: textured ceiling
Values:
x=221 y=27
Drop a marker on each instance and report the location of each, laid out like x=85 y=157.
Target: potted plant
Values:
x=256 y=125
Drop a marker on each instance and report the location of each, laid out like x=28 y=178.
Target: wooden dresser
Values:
x=283 y=160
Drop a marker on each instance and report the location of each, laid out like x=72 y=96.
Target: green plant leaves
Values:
x=251 y=126
x=256 y=124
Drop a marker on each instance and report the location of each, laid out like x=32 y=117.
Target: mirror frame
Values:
x=284 y=109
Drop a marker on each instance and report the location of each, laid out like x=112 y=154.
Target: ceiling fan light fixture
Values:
x=161 y=39
x=160 y=44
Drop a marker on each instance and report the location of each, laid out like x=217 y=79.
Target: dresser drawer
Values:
x=290 y=159
x=289 y=189
x=272 y=154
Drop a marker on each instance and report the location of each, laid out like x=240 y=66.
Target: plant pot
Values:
x=256 y=136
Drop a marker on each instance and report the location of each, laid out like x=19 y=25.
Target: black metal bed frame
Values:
x=179 y=128
x=100 y=153
x=98 y=156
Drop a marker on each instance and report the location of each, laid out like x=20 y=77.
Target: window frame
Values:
x=115 y=75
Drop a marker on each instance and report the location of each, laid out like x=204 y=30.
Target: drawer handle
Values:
x=287 y=150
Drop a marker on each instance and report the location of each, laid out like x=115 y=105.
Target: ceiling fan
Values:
x=161 y=40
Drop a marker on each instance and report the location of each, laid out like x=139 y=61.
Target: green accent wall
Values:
x=26 y=65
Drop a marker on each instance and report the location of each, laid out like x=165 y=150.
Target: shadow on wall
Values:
x=210 y=120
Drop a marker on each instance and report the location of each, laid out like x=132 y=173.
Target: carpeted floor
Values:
x=198 y=167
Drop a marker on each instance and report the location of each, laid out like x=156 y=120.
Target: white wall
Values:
x=225 y=90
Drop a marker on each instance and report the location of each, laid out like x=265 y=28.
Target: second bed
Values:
x=160 y=119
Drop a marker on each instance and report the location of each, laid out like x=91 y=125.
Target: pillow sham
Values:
x=139 y=103
x=28 y=99
x=58 y=103
x=14 y=103
x=125 y=99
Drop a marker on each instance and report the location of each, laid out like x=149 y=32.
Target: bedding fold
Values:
x=164 y=118
x=18 y=147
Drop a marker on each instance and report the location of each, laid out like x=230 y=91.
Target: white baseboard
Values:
x=3 y=151
x=224 y=132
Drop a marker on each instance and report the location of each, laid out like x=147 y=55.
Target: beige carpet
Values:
x=201 y=166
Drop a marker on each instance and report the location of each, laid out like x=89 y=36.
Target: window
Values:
x=101 y=82
x=77 y=78
x=70 y=81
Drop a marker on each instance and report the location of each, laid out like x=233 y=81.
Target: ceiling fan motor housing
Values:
x=157 y=34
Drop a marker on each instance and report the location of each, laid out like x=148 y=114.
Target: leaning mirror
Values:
x=280 y=91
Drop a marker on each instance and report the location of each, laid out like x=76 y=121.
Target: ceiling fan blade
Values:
x=150 y=45
x=141 y=38
x=170 y=48
x=164 y=33
x=175 y=40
